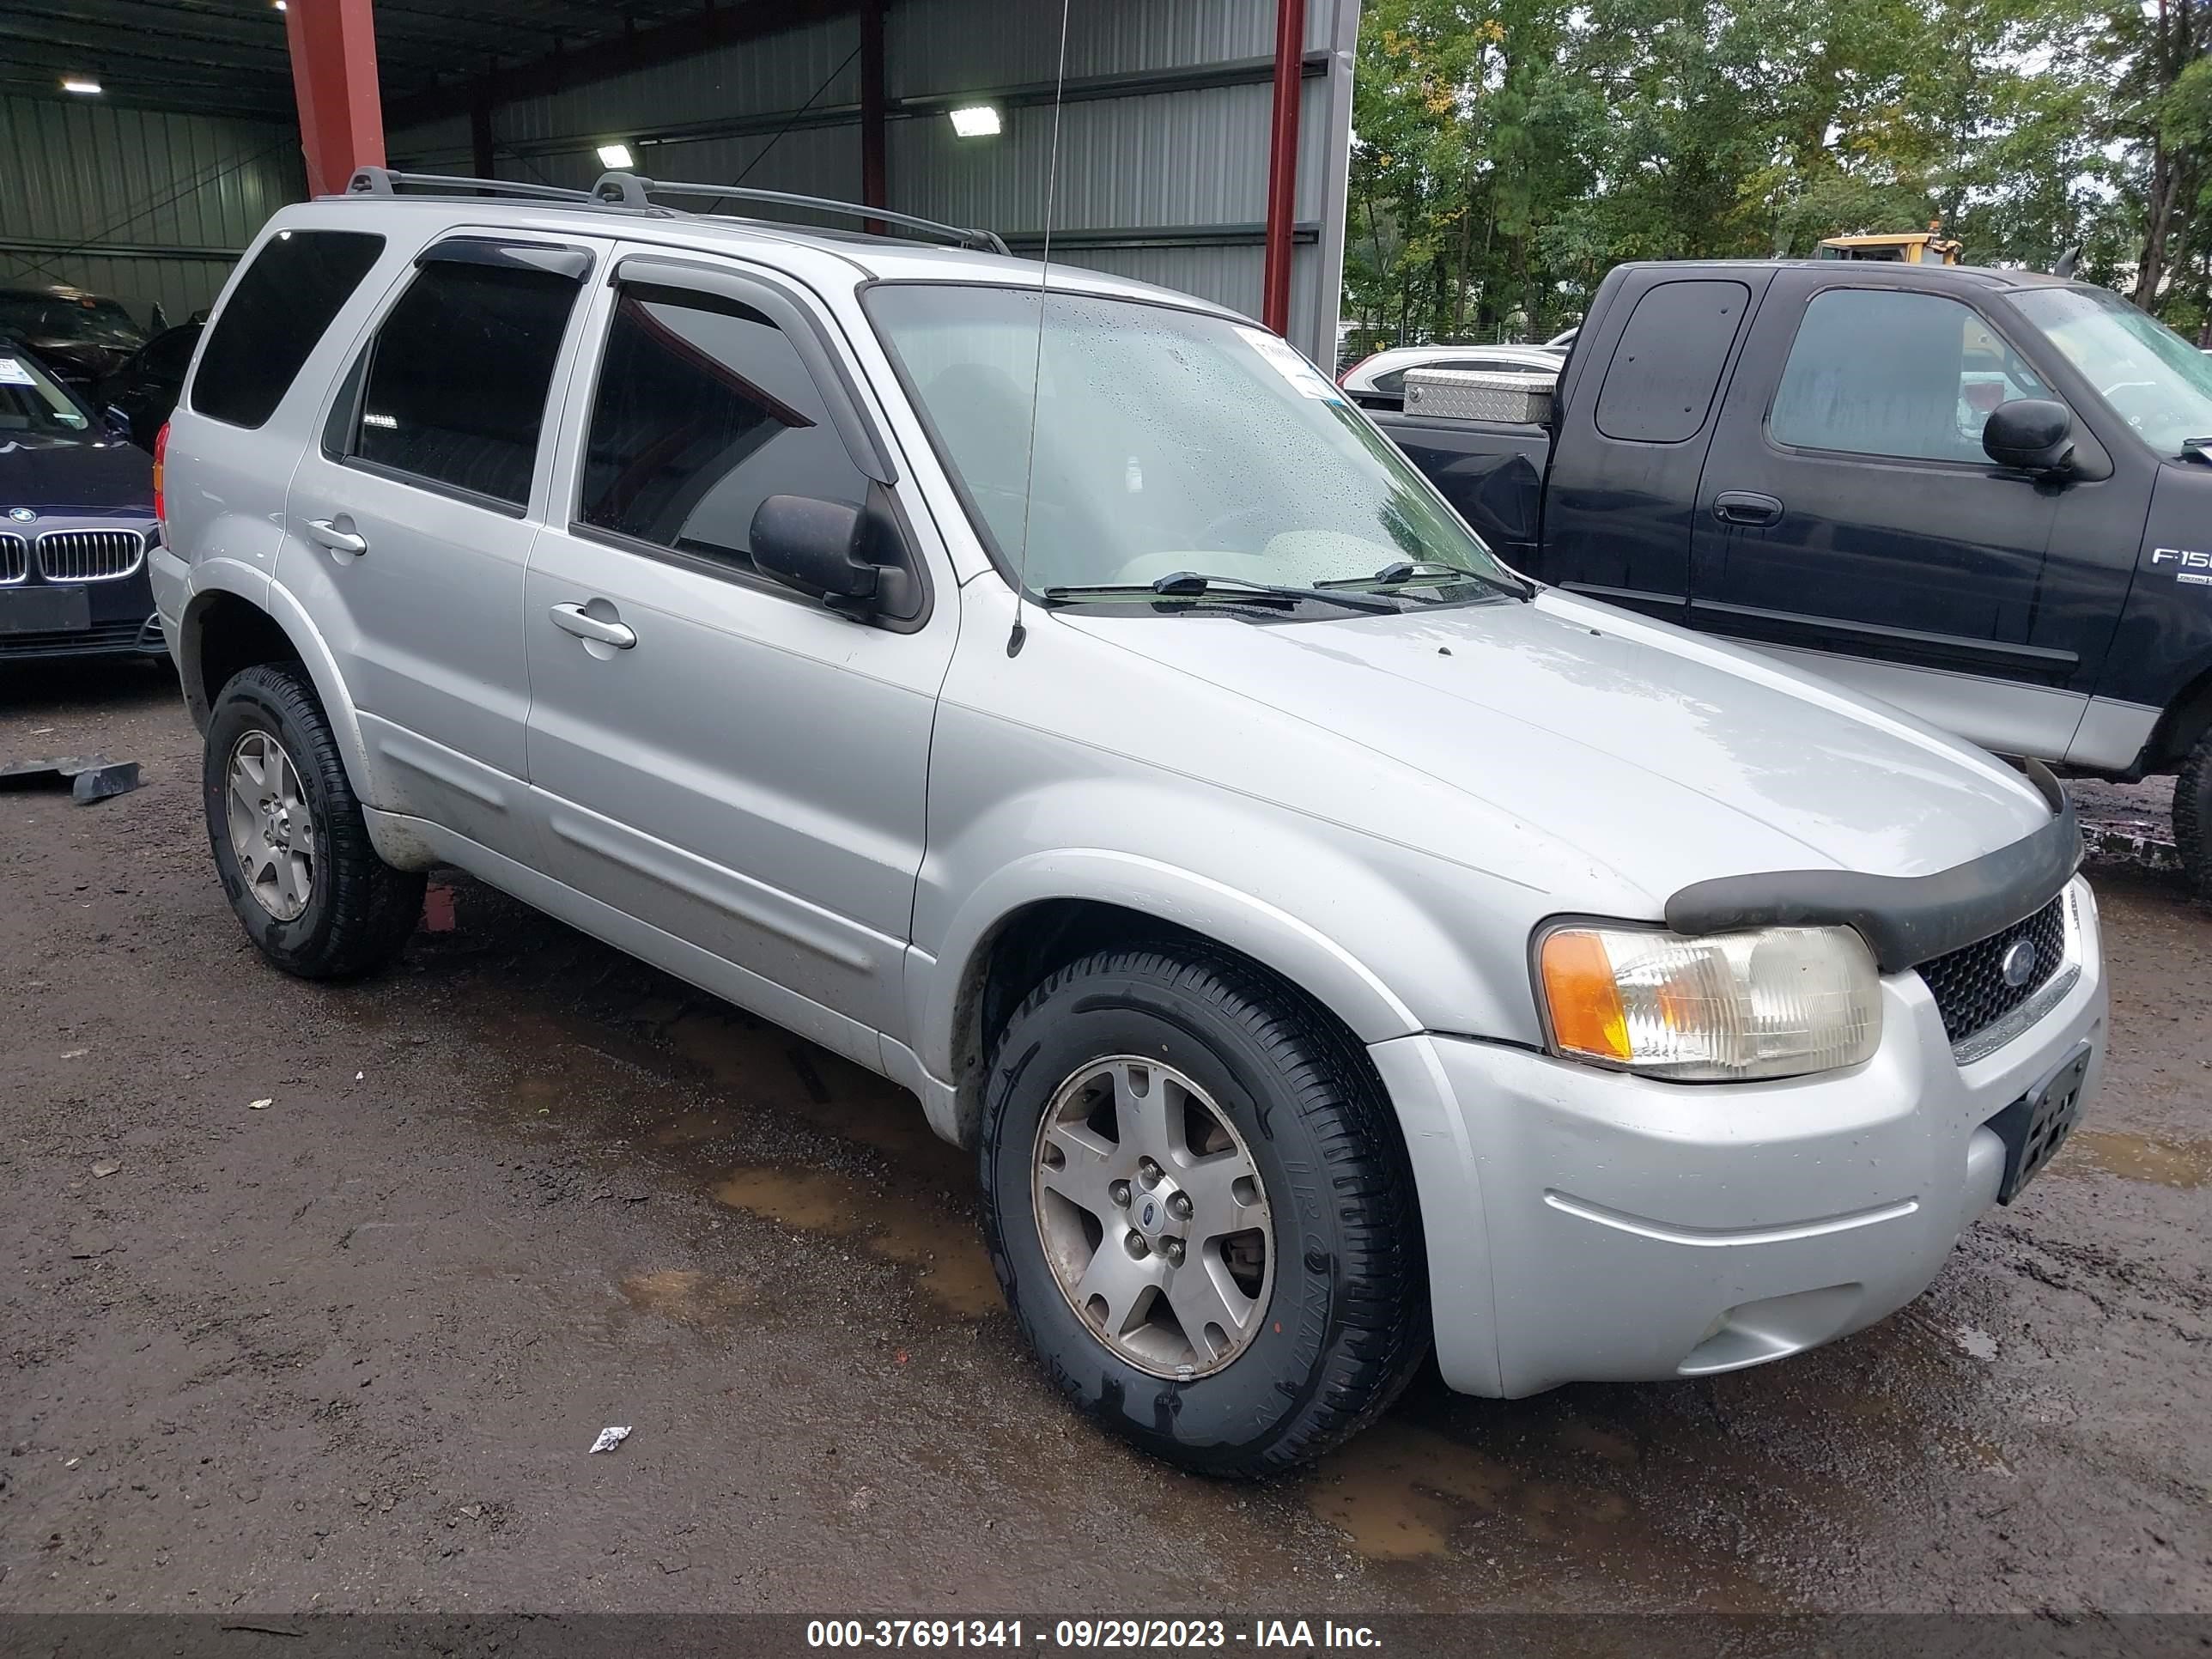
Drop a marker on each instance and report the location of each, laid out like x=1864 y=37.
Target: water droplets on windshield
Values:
x=1165 y=441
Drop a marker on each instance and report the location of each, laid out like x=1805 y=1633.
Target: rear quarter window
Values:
x=1660 y=386
x=274 y=317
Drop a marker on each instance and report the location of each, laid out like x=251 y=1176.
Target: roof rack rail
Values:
x=628 y=189
x=384 y=181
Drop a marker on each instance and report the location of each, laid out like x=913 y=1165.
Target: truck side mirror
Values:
x=2031 y=434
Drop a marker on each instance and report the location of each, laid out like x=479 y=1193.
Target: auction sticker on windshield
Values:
x=13 y=373
x=1284 y=359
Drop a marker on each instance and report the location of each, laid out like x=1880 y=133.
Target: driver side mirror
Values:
x=2031 y=434
x=851 y=558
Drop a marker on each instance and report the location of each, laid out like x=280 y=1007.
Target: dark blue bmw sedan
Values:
x=76 y=519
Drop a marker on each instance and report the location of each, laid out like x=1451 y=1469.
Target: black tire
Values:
x=360 y=910
x=1348 y=1247
x=2192 y=816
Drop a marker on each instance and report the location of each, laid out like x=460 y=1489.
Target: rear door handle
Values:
x=575 y=619
x=1746 y=506
x=338 y=541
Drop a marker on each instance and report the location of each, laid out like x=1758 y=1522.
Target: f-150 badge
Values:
x=2188 y=566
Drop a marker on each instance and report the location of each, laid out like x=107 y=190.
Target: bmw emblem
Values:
x=22 y=514
x=2018 y=965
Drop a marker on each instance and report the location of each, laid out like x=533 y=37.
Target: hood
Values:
x=1663 y=756
x=93 y=473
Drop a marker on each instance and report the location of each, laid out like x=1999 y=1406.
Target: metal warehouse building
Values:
x=1203 y=144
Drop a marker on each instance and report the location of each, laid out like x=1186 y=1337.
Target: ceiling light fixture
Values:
x=78 y=83
x=977 y=121
x=617 y=156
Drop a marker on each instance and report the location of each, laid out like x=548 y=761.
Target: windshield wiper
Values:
x=2199 y=447
x=1190 y=585
x=1406 y=572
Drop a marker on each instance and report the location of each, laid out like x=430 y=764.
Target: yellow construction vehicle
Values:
x=1920 y=247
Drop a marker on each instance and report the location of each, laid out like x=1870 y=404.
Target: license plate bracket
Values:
x=45 y=610
x=2035 y=1126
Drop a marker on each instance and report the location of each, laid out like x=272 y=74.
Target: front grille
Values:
x=15 y=559
x=1969 y=983
x=89 y=555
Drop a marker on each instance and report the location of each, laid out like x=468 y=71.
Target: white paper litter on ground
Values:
x=608 y=1439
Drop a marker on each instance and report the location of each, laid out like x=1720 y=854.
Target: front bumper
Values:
x=1586 y=1226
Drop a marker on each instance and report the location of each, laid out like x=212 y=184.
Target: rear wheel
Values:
x=2192 y=816
x=1199 y=1210
x=288 y=839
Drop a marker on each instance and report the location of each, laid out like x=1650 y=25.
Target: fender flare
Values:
x=232 y=578
x=1317 y=964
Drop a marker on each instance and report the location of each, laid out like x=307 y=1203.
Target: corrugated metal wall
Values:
x=137 y=204
x=783 y=112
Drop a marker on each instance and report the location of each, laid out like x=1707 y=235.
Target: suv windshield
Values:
x=30 y=403
x=1166 y=441
x=2153 y=379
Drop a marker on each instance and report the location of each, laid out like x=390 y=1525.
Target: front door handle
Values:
x=1746 y=506
x=330 y=535
x=575 y=619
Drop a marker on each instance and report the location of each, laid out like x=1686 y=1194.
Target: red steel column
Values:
x=873 y=185
x=1283 y=163
x=334 y=81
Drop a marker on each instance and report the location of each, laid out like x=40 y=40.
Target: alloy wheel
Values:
x=1154 y=1217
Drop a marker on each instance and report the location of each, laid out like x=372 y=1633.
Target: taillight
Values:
x=160 y=460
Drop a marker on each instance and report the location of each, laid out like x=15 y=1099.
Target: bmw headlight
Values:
x=1728 y=1007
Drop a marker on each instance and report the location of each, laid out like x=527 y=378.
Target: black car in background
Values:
x=145 y=389
x=79 y=337
x=76 y=521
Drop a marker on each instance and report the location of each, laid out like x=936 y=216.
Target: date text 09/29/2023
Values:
x=1125 y=1635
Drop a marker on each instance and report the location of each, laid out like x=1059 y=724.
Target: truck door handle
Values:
x=327 y=533
x=575 y=619
x=1746 y=507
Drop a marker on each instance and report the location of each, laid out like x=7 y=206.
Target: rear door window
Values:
x=1659 y=386
x=274 y=317
x=454 y=391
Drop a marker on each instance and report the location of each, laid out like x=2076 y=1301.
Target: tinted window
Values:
x=703 y=411
x=458 y=375
x=1660 y=385
x=171 y=354
x=273 y=317
x=1880 y=371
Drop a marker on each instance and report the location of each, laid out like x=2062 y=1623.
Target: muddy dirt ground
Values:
x=347 y=1349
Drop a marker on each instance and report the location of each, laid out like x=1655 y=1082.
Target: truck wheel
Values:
x=288 y=837
x=2192 y=816
x=1199 y=1210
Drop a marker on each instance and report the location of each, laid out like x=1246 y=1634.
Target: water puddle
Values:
x=2186 y=1165
x=1400 y=1490
x=944 y=1251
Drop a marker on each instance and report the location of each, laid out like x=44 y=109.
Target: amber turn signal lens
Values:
x=1584 y=995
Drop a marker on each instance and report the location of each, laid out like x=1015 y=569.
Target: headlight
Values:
x=1728 y=1007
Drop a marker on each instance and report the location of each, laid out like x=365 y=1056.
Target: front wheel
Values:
x=287 y=835
x=1199 y=1209
x=2192 y=816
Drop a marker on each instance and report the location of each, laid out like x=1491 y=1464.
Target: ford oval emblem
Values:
x=22 y=514
x=2019 y=964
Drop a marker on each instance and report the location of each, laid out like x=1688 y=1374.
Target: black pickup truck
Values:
x=1984 y=496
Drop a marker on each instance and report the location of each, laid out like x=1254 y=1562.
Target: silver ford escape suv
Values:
x=1047 y=691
